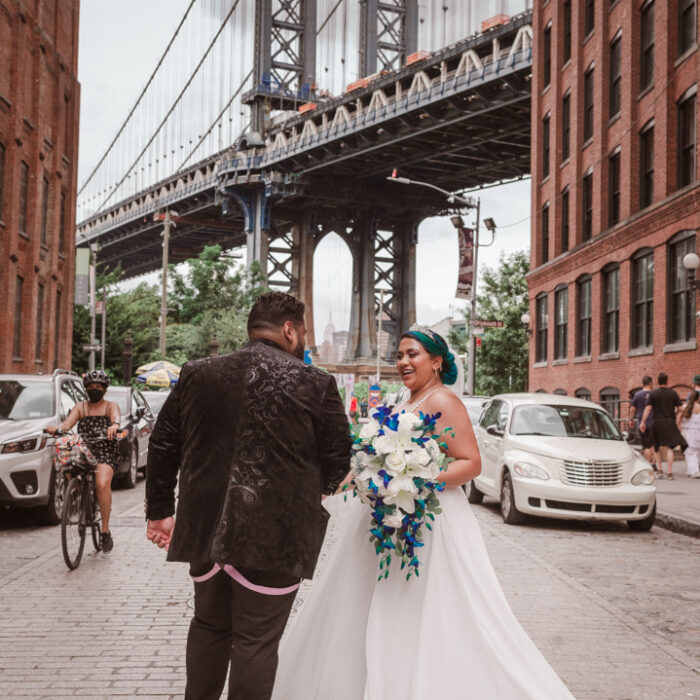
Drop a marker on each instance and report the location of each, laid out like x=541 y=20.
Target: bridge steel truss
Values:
x=458 y=119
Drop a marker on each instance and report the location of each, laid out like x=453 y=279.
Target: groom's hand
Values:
x=160 y=531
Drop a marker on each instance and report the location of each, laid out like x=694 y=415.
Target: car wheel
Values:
x=129 y=479
x=511 y=515
x=52 y=512
x=473 y=493
x=645 y=524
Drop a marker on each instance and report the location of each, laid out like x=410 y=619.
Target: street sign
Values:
x=488 y=324
x=91 y=348
x=478 y=331
x=99 y=307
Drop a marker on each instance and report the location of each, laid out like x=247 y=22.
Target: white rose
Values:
x=384 y=444
x=394 y=463
x=401 y=482
x=432 y=448
x=409 y=424
x=394 y=519
x=369 y=430
x=417 y=458
x=404 y=500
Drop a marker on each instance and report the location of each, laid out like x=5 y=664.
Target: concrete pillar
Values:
x=362 y=341
x=303 y=271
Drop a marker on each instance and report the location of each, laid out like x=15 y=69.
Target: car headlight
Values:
x=31 y=444
x=645 y=477
x=531 y=471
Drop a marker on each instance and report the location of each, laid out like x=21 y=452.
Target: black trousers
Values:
x=235 y=625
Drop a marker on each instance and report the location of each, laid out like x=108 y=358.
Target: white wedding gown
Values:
x=449 y=634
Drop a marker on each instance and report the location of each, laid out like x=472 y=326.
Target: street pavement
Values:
x=678 y=502
x=614 y=611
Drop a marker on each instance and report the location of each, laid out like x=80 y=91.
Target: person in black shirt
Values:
x=637 y=406
x=665 y=403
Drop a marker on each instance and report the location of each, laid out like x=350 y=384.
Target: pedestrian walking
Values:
x=637 y=406
x=689 y=423
x=354 y=409
x=257 y=437
x=665 y=403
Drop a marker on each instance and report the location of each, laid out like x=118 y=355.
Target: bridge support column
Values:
x=362 y=339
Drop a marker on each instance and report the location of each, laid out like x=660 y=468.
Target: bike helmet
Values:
x=96 y=376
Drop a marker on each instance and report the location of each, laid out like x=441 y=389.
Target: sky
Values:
x=120 y=43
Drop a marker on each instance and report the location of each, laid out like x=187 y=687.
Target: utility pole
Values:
x=93 y=304
x=104 y=327
x=471 y=364
x=379 y=334
x=167 y=223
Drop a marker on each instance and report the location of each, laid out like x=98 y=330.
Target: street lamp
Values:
x=691 y=261
x=526 y=319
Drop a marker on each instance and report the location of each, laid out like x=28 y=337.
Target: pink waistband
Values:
x=238 y=577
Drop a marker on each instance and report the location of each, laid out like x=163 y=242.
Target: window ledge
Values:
x=682 y=346
x=61 y=256
x=566 y=64
x=556 y=363
x=2 y=224
x=38 y=361
x=22 y=234
x=615 y=118
x=44 y=247
x=588 y=36
x=17 y=359
x=609 y=356
x=645 y=91
x=582 y=358
x=544 y=180
x=564 y=163
x=636 y=352
x=537 y=365
x=587 y=143
x=545 y=89
x=686 y=55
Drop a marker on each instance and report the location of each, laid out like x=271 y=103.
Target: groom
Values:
x=257 y=437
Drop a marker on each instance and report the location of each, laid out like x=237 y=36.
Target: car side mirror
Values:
x=494 y=430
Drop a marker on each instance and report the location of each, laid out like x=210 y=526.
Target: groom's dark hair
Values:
x=272 y=309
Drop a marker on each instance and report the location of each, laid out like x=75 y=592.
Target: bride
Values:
x=448 y=634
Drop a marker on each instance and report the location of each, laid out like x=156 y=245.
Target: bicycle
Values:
x=80 y=508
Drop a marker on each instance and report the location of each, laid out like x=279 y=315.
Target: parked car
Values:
x=28 y=404
x=137 y=423
x=474 y=405
x=560 y=457
x=155 y=400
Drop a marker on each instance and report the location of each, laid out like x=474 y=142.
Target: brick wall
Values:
x=671 y=212
x=39 y=117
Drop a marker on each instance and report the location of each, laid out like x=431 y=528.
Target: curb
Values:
x=676 y=524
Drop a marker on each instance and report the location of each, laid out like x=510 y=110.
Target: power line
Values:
x=330 y=14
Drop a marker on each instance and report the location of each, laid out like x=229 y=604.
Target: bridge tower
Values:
x=388 y=33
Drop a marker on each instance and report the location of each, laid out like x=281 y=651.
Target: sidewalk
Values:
x=678 y=502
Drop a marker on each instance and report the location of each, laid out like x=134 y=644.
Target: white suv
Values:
x=28 y=404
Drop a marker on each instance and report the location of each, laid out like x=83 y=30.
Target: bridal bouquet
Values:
x=396 y=466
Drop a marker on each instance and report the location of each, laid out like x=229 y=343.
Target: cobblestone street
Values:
x=615 y=612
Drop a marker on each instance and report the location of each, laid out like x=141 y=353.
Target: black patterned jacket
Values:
x=257 y=437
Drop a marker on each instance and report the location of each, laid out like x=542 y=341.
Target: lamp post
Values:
x=691 y=262
x=526 y=319
x=467 y=203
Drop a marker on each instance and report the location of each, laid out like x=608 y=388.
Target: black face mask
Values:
x=95 y=394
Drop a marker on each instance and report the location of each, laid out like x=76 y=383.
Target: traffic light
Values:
x=478 y=341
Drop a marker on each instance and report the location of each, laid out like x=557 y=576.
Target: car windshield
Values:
x=119 y=397
x=563 y=421
x=21 y=400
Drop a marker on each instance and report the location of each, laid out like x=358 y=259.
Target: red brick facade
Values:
x=39 y=118
x=641 y=230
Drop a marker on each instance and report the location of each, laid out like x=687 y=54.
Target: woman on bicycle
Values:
x=98 y=422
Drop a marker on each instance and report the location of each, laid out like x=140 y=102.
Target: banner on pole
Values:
x=82 y=277
x=465 y=278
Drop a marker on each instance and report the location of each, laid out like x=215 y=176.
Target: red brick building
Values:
x=39 y=117
x=615 y=195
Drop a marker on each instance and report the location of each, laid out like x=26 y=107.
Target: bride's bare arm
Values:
x=462 y=448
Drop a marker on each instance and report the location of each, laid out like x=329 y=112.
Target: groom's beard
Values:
x=298 y=350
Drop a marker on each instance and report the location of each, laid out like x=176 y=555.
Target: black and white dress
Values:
x=93 y=429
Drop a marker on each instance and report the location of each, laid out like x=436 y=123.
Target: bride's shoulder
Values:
x=445 y=402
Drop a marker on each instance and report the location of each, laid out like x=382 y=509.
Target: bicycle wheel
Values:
x=95 y=520
x=73 y=524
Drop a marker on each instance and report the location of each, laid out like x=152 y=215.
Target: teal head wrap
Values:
x=435 y=344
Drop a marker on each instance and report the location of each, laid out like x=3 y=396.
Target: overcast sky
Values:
x=120 y=43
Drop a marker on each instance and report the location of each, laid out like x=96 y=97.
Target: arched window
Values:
x=560 y=392
x=583 y=393
x=681 y=299
x=610 y=401
x=643 y=298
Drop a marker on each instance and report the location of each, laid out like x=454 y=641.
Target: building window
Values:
x=23 y=187
x=681 y=298
x=643 y=299
x=62 y=224
x=44 y=210
x=39 y=344
x=610 y=401
x=583 y=317
x=611 y=310
x=588 y=105
x=541 y=321
x=566 y=38
x=615 y=75
x=583 y=393
x=561 y=322
x=687 y=25
x=2 y=175
x=545 y=233
x=646 y=71
x=559 y=392
x=646 y=161
x=565 y=220
x=589 y=18
x=17 y=344
x=587 y=207
x=547 y=55
x=565 y=125
x=57 y=329
x=686 y=141
x=614 y=188
x=545 y=147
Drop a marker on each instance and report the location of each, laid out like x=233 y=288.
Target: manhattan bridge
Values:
x=271 y=123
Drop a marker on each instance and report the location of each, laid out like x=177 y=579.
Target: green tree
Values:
x=501 y=362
